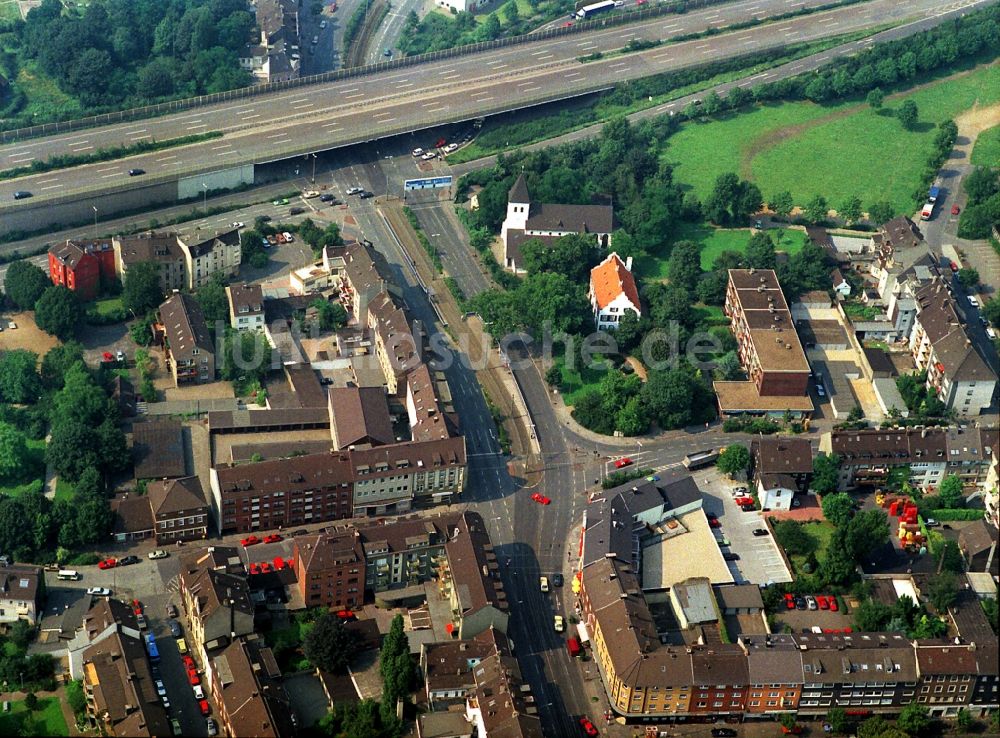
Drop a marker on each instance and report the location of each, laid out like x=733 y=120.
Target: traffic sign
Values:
x=429 y=183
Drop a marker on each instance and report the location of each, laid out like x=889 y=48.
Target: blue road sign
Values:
x=429 y=183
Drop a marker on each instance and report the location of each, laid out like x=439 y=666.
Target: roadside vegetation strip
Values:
x=361 y=29
x=986 y=152
x=66 y=161
x=425 y=242
x=634 y=97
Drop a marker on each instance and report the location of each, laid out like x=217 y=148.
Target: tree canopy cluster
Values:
x=983 y=207
x=125 y=53
x=57 y=309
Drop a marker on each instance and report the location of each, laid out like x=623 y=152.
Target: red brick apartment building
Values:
x=80 y=265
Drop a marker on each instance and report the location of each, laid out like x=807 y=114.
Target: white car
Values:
x=355 y=190
x=322 y=24
x=309 y=194
x=160 y=689
x=429 y=155
x=558 y=623
x=417 y=152
x=237 y=224
x=99 y=592
x=289 y=238
x=158 y=554
x=991 y=334
x=199 y=693
x=543 y=582
x=450 y=147
x=120 y=356
x=973 y=301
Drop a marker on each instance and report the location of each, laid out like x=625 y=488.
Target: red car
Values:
x=953 y=266
x=789 y=601
x=540 y=499
x=741 y=501
x=623 y=462
x=588 y=727
x=441 y=143
x=832 y=601
x=955 y=210
x=249 y=541
x=204 y=707
x=137 y=607
x=193 y=677
x=108 y=564
x=346 y=614
x=273 y=538
x=567 y=24
x=713 y=522
x=255 y=568
x=266 y=567
x=821 y=602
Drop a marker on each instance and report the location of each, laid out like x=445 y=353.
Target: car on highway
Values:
x=280 y=201
x=273 y=538
x=417 y=152
x=237 y=224
x=558 y=623
x=761 y=532
x=22 y=194
x=955 y=210
x=249 y=541
x=128 y=561
x=623 y=462
x=588 y=727
x=136 y=172
x=540 y=498
x=108 y=564
x=543 y=584
x=296 y=211
x=158 y=553
x=99 y=591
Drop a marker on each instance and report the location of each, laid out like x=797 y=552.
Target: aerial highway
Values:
x=331 y=115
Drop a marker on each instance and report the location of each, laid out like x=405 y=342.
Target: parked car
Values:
x=543 y=583
x=366 y=194
x=761 y=532
x=417 y=152
x=322 y=24
x=140 y=620
x=588 y=727
x=427 y=156
x=189 y=663
x=309 y=194
x=193 y=677
x=211 y=727
x=558 y=623
x=713 y=522
x=158 y=553
x=723 y=733
x=99 y=592
x=955 y=210
x=355 y=190
x=387 y=53
x=973 y=301
x=108 y=564
x=623 y=462
x=171 y=610
x=204 y=707
x=128 y=560
x=175 y=628
x=800 y=602
x=822 y=602
x=789 y=601
x=931 y=523
x=325 y=197
x=811 y=602
x=300 y=532
x=450 y=147
x=175 y=726
x=182 y=646
x=722 y=541
x=199 y=693
x=273 y=538
x=832 y=602
x=249 y=541
x=160 y=689
x=728 y=556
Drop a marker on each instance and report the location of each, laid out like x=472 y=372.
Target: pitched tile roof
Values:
x=610 y=279
x=251 y=691
x=519 y=191
x=185 y=326
x=158 y=449
x=175 y=495
x=360 y=415
x=131 y=514
x=776 y=455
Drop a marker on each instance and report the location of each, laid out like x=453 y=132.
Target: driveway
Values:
x=760 y=561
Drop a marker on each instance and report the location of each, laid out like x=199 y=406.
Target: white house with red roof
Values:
x=613 y=292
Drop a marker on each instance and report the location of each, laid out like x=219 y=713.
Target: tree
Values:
x=75 y=697
x=213 y=301
x=781 y=203
x=871 y=616
x=951 y=491
x=13 y=451
x=57 y=362
x=881 y=211
x=572 y=256
x=734 y=460
x=837 y=717
x=838 y=508
x=684 y=265
x=850 y=209
x=968 y=277
x=760 y=252
x=980 y=185
x=732 y=199
x=942 y=591
x=57 y=312
x=394 y=662
x=329 y=645
x=246 y=356
x=914 y=719
x=866 y=531
x=948 y=557
x=31 y=701
x=826 y=473
x=964 y=721
x=141 y=291
x=553 y=376
x=675 y=397
x=907 y=114
x=24 y=284
x=728 y=366
x=875 y=98
x=991 y=311
x=331 y=315
x=816 y=209
x=19 y=380
x=629 y=332
x=71 y=450
x=794 y=538
x=491 y=28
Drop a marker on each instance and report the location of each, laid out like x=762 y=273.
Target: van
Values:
x=68 y=574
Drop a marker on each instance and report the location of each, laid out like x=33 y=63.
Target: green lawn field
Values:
x=576 y=381
x=836 y=150
x=48 y=718
x=986 y=152
x=33 y=471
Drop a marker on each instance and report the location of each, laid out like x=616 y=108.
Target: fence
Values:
x=152 y=111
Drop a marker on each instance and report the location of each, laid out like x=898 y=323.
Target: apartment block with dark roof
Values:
x=162 y=249
x=330 y=568
x=246 y=306
x=188 y=347
x=22 y=587
x=501 y=704
x=986 y=690
x=216 y=600
x=948 y=673
x=248 y=690
x=780 y=468
x=220 y=253
x=866 y=456
x=721 y=680
x=447 y=667
x=775 y=674
x=179 y=509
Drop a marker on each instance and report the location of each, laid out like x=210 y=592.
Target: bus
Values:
x=151 y=649
x=701 y=458
x=589 y=11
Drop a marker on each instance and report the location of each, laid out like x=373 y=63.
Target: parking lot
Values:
x=760 y=560
x=801 y=621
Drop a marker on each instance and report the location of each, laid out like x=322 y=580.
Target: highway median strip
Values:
x=66 y=161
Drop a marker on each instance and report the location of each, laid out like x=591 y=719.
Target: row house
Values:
x=948 y=672
x=330 y=569
x=501 y=703
x=246 y=307
x=215 y=598
x=447 y=667
x=394 y=343
x=221 y=253
x=774 y=673
x=941 y=346
x=187 y=344
x=182 y=264
x=171 y=511
x=248 y=690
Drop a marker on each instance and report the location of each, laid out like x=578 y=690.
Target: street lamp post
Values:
x=313 y=179
x=205 y=188
x=95 y=216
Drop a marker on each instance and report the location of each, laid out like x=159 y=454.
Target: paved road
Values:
x=330 y=115
x=388 y=33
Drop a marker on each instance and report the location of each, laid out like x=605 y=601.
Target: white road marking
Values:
x=167 y=158
x=83 y=148
x=200 y=125
x=251 y=117
x=303 y=105
x=50 y=187
x=21 y=160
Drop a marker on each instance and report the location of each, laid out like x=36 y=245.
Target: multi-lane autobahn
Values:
x=327 y=116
